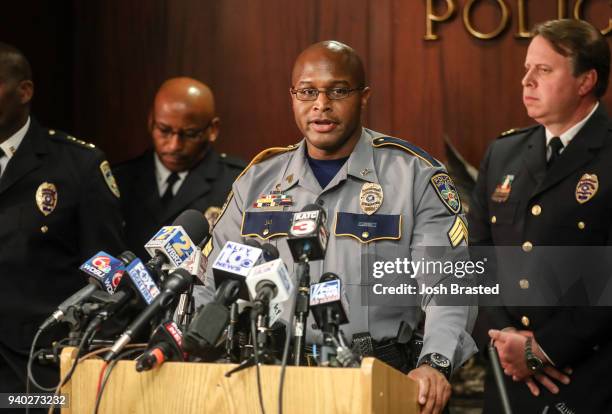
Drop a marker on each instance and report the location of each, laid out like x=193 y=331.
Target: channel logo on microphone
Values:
x=325 y=292
x=174 y=242
x=104 y=268
x=143 y=281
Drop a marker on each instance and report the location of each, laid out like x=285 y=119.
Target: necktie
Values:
x=1 y=155
x=555 y=147
x=171 y=180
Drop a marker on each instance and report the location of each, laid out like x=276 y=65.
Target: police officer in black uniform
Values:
x=183 y=171
x=551 y=185
x=59 y=205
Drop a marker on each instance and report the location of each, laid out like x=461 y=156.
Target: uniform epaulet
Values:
x=515 y=131
x=408 y=147
x=268 y=153
x=61 y=136
x=233 y=161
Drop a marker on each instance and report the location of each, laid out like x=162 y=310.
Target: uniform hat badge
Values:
x=502 y=191
x=586 y=188
x=46 y=198
x=370 y=198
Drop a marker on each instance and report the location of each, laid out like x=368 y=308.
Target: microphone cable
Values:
x=256 y=356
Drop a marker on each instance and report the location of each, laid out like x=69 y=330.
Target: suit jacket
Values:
x=206 y=185
x=550 y=208
x=58 y=207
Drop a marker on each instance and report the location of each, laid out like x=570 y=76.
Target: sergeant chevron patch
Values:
x=458 y=232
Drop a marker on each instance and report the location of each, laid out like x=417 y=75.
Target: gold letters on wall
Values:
x=523 y=26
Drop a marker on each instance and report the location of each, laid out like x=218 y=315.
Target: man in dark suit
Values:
x=59 y=205
x=551 y=185
x=184 y=171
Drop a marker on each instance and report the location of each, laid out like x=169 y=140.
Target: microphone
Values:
x=211 y=320
x=308 y=234
x=104 y=270
x=328 y=301
x=177 y=282
x=165 y=345
x=329 y=306
x=269 y=283
x=173 y=244
x=234 y=262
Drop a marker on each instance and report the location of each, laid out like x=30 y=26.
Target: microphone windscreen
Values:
x=194 y=223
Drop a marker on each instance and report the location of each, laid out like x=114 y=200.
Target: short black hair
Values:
x=583 y=43
x=14 y=64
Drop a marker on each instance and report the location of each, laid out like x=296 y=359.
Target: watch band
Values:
x=438 y=362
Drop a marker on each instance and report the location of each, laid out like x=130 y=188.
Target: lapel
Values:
x=197 y=183
x=145 y=189
x=534 y=158
x=580 y=150
x=27 y=158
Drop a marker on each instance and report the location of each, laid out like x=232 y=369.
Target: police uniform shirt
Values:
x=8 y=148
x=568 y=135
x=162 y=174
x=411 y=215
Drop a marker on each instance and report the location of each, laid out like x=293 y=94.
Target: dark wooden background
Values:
x=97 y=65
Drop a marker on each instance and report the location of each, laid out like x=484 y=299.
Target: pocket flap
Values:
x=266 y=224
x=367 y=228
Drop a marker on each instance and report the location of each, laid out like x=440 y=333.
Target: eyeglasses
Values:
x=188 y=134
x=311 y=94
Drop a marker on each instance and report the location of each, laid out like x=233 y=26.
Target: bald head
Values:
x=16 y=92
x=330 y=53
x=13 y=64
x=183 y=123
x=186 y=94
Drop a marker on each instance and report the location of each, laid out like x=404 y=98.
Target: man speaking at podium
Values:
x=378 y=193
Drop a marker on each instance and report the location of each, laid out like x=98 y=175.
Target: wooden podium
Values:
x=185 y=387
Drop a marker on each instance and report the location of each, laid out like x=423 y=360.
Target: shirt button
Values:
x=536 y=210
x=581 y=225
x=524 y=283
x=44 y=229
x=493 y=219
x=365 y=235
x=525 y=321
x=527 y=246
x=320 y=202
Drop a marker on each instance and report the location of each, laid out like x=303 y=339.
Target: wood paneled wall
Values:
x=459 y=86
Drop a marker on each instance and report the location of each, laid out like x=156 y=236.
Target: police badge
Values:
x=445 y=188
x=586 y=188
x=46 y=198
x=370 y=198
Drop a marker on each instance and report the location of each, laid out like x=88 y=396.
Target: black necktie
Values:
x=1 y=155
x=171 y=180
x=555 y=148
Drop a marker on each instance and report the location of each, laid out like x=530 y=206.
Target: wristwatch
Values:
x=438 y=362
x=534 y=363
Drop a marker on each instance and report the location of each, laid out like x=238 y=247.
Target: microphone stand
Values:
x=302 y=307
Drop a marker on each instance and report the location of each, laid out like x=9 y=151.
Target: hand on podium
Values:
x=434 y=389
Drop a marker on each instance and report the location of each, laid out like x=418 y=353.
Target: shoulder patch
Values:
x=446 y=190
x=268 y=153
x=408 y=147
x=515 y=131
x=109 y=178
